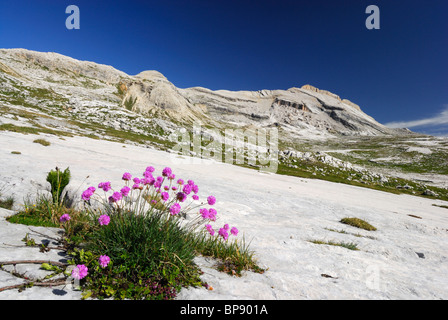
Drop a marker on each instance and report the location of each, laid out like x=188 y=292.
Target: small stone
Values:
x=420 y=255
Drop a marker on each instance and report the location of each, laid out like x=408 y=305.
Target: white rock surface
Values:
x=278 y=215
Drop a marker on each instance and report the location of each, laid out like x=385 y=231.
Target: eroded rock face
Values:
x=306 y=110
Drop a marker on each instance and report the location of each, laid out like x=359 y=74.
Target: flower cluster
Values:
x=88 y=193
x=173 y=197
x=81 y=271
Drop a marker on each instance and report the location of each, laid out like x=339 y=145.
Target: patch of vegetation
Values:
x=44 y=212
x=129 y=103
x=7 y=203
x=441 y=206
x=353 y=234
x=42 y=142
x=16 y=152
x=358 y=223
x=350 y=246
x=58 y=181
x=32 y=130
x=124 y=250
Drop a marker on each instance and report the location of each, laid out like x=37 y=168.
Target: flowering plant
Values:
x=163 y=196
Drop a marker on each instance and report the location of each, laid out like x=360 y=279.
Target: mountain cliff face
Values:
x=87 y=88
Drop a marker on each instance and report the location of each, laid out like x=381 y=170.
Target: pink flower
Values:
x=180 y=181
x=211 y=200
x=223 y=233
x=234 y=231
x=187 y=189
x=136 y=180
x=165 y=196
x=150 y=169
x=104 y=220
x=181 y=196
x=167 y=172
x=127 y=176
x=136 y=186
x=88 y=193
x=149 y=180
x=172 y=176
x=195 y=189
x=190 y=182
x=115 y=197
x=174 y=188
x=212 y=214
x=175 y=209
x=210 y=229
x=104 y=261
x=204 y=213
x=105 y=186
x=79 y=272
x=125 y=191
x=226 y=226
x=147 y=174
x=64 y=218
x=195 y=197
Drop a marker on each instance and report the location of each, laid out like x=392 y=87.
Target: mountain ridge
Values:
x=306 y=111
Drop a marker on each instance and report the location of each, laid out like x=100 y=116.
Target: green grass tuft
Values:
x=350 y=246
x=358 y=223
x=42 y=142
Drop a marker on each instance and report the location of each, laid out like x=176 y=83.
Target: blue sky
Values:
x=397 y=74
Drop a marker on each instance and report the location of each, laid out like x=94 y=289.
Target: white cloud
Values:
x=439 y=119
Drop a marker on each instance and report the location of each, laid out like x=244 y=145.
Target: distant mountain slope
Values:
x=305 y=111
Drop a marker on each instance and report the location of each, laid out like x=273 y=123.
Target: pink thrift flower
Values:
x=226 y=226
x=180 y=182
x=167 y=172
x=210 y=229
x=195 y=189
x=190 y=182
x=211 y=200
x=79 y=272
x=127 y=176
x=150 y=169
x=147 y=174
x=64 y=218
x=136 y=180
x=165 y=196
x=181 y=196
x=172 y=176
x=204 y=213
x=174 y=188
x=104 y=220
x=223 y=233
x=175 y=209
x=186 y=189
x=104 y=261
x=148 y=181
x=115 y=197
x=212 y=214
x=88 y=193
x=136 y=186
x=125 y=191
x=195 y=197
x=105 y=186
x=234 y=231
